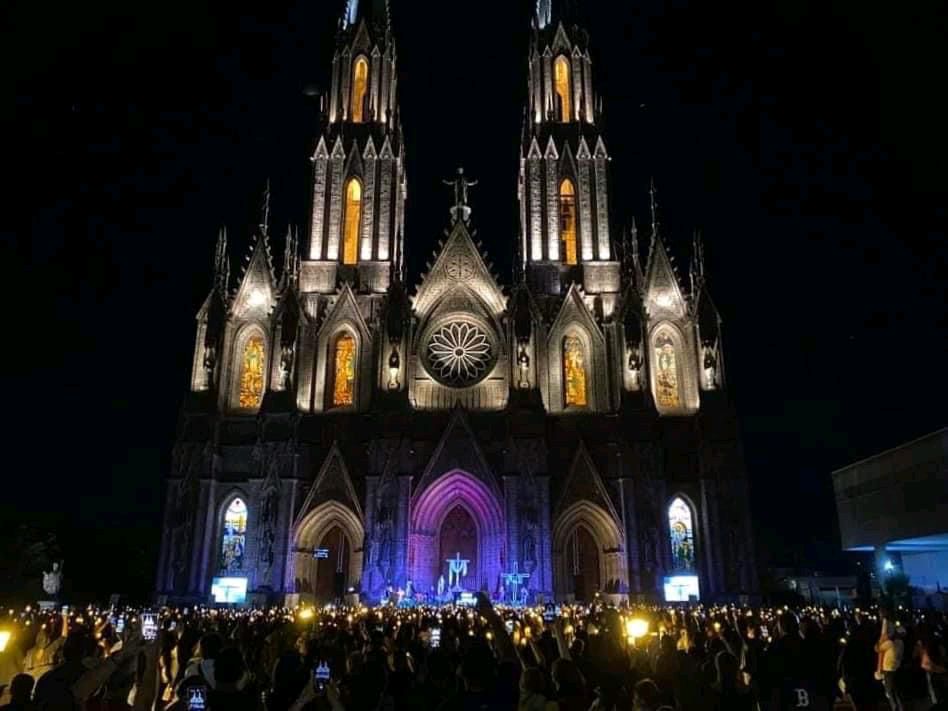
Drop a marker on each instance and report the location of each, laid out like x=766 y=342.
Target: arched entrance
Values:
x=332 y=571
x=458 y=539
x=582 y=564
x=588 y=552
x=457 y=513
x=336 y=529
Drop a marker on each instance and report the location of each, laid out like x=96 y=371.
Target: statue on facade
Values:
x=523 y=362
x=287 y=354
x=210 y=362
x=53 y=580
x=460 y=210
x=710 y=364
x=635 y=365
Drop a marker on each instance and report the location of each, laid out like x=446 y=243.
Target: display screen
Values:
x=197 y=698
x=149 y=626
x=681 y=588
x=229 y=590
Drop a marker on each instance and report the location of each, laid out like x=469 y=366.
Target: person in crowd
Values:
x=21 y=692
x=890 y=649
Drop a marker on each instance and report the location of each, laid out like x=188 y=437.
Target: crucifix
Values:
x=460 y=210
x=514 y=580
x=457 y=569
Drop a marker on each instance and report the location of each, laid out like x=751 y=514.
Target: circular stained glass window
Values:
x=459 y=354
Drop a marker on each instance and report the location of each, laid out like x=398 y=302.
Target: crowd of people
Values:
x=550 y=658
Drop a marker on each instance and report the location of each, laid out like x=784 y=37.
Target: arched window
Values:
x=574 y=372
x=667 y=385
x=343 y=373
x=568 y=220
x=251 y=373
x=682 y=532
x=353 y=220
x=561 y=84
x=234 y=535
x=360 y=83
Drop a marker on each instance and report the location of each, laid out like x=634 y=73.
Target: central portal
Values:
x=459 y=536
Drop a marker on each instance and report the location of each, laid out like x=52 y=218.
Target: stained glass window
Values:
x=343 y=384
x=574 y=371
x=568 y=220
x=667 y=391
x=561 y=84
x=350 y=237
x=360 y=82
x=234 y=536
x=682 y=534
x=251 y=373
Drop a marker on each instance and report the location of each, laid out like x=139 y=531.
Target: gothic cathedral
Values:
x=344 y=432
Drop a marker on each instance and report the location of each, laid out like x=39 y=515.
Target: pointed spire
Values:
x=635 y=250
x=221 y=263
x=698 y=256
x=291 y=258
x=653 y=206
x=265 y=210
x=544 y=13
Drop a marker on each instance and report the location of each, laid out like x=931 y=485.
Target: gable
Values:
x=458 y=449
x=255 y=295
x=584 y=483
x=459 y=265
x=332 y=483
x=573 y=310
x=663 y=296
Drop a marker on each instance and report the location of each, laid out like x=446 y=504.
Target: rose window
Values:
x=459 y=354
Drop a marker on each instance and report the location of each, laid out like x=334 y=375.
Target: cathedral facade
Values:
x=344 y=432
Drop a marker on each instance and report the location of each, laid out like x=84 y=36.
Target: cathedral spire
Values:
x=221 y=263
x=373 y=10
x=653 y=208
x=291 y=259
x=265 y=210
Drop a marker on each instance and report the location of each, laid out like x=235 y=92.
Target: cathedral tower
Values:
x=564 y=182
x=356 y=228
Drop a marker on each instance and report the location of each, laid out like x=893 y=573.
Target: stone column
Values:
x=627 y=499
x=544 y=568
x=402 y=525
x=512 y=544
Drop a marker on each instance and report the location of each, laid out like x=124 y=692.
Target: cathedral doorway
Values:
x=582 y=562
x=456 y=513
x=336 y=529
x=588 y=552
x=332 y=571
x=458 y=538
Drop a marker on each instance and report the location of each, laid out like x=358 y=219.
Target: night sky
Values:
x=805 y=139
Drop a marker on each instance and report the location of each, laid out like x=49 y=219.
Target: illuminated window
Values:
x=353 y=218
x=360 y=82
x=561 y=82
x=343 y=375
x=681 y=530
x=667 y=390
x=574 y=372
x=568 y=220
x=251 y=373
x=234 y=535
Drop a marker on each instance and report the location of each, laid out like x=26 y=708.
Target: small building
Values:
x=895 y=504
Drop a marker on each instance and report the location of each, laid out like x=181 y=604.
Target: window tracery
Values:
x=251 y=373
x=360 y=82
x=568 y=221
x=344 y=366
x=681 y=531
x=667 y=386
x=574 y=372
x=353 y=220
x=234 y=535
x=561 y=81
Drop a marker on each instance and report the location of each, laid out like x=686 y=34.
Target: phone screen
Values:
x=197 y=698
x=549 y=612
x=764 y=632
x=120 y=624
x=321 y=675
x=149 y=626
x=509 y=624
x=65 y=609
x=435 y=637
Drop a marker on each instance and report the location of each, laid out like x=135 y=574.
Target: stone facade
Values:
x=556 y=419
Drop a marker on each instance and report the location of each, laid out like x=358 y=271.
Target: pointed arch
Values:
x=681 y=533
x=310 y=532
x=352 y=221
x=343 y=364
x=568 y=221
x=575 y=389
x=605 y=531
x=232 y=541
x=562 y=87
x=672 y=371
x=359 y=89
x=249 y=369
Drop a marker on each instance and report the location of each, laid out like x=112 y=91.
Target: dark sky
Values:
x=805 y=139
